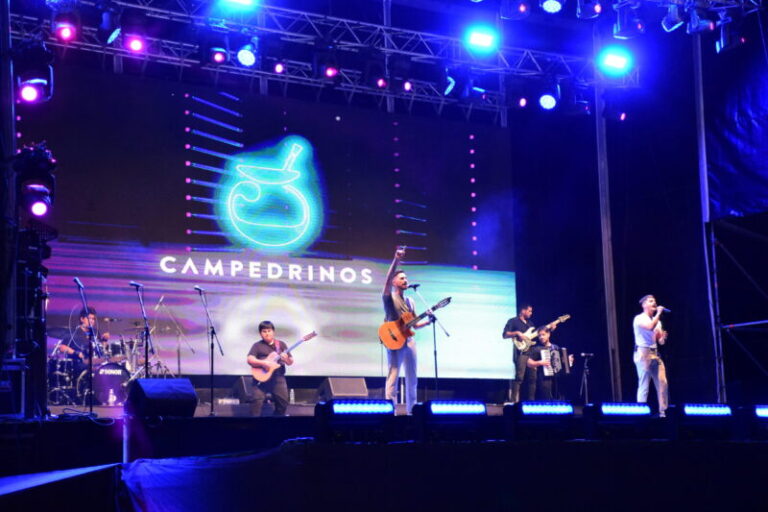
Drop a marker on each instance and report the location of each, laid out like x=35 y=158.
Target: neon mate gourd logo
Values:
x=270 y=199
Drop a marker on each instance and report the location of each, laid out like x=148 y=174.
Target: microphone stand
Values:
x=435 y=322
x=147 y=332
x=212 y=334
x=91 y=341
x=179 y=336
x=584 y=388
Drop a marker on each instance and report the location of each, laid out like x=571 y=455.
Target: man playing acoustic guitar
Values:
x=276 y=384
x=395 y=304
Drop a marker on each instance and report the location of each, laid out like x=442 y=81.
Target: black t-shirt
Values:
x=554 y=357
x=515 y=324
x=261 y=349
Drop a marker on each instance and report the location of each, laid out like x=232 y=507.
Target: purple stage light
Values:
x=474 y=209
x=471 y=180
x=474 y=238
x=279 y=68
x=30 y=93
x=39 y=208
x=65 y=31
x=623 y=116
x=135 y=44
x=473 y=195
x=474 y=224
x=381 y=83
x=407 y=86
x=522 y=102
x=331 y=71
x=474 y=253
x=218 y=56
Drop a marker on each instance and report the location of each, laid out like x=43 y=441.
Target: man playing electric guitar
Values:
x=276 y=384
x=395 y=303
x=515 y=329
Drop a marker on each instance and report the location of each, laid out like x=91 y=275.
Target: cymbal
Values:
x=61 y=333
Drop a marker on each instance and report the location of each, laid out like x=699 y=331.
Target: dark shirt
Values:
x=515 y=324
x=394 y=306
x=261 y=349
x=554 y=358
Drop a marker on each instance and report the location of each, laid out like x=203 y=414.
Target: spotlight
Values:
x=381 y=83
x=729 y=38
x=588 y=9
x=549 y=95
x=66 y=26
x=616 y=106
x=514 y=9
x=218 y=55
x=246 y=55
x=34 y=73
x=615 y=61
x=628 y=22
x=551 y=6
x=325 y=62
x=135 y=44
x=698 y=22
x=407 y=86
x=481 y=39
x=279 y=68
x=375 y=72
x=672 y=20
x=35 y=182
x=400 y=73
x=331 y=71
x=522 y=102
x=238 y=5
x=109 y=27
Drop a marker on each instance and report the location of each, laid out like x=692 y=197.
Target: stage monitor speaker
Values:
x=243 y=389
x=161 y=397
x=342 y=387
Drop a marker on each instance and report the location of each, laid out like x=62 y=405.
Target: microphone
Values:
x=414 y=286
x=78 y=283
x=199 y=289
x=157 y=306
x=664 y=309
x=587 y=354
x=137 y=285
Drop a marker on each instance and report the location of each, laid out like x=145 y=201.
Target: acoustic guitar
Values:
x=262 y=374
x=532 y=333
x=394 y=334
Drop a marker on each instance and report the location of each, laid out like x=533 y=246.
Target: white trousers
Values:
x=650 y=366
x=395 y=359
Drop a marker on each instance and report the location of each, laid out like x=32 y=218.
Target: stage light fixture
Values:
x=374 y=74
x=400 y=73
x=407 y=86
x=625 y=409
x=616 y=107
x=539 y=420
x=703 y=421
x=706 y=410
x=325 y=62
x=549 y=95
x=514 y=9
x=34 y=74
x=588 y=9
x=672 y=20
x=246 y=55
x=615 y=61
x=354 y=420
x=441 y=420
x=66 y=26
x=135 y=43
x=730 y=37
x=279 y=68
x=481 y=39
x=698 y=21
x=109 y=27
x=218 y=55
x=628 y=22
x=551 y=6
x=35 y=182
x=761 y=411
x=621 y=421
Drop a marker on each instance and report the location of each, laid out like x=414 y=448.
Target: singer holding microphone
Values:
x=395 y=303
x=649 y=334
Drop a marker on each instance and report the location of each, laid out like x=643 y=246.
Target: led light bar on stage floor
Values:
x=539 y=420
x=614 y=420
x=444 y=420
x=704 y=421
x=354 y=420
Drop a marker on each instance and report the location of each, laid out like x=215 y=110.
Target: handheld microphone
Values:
x=78 y=283
x=199 y=289
x=587 y=354
x=137 y=285
x=414 y=286
x=159 y=302
x=665 y=309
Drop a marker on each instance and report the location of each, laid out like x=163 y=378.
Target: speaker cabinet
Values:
x=342 y=387
x=161 y=397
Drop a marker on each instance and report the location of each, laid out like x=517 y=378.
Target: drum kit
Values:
x=115 y=365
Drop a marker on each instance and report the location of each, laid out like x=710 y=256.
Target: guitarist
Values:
x=516 y=328
x=276 y=384
x=395 y=303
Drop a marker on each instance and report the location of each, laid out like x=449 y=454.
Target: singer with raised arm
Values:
x=259 y=357
x=395 y=304
x=649 y=334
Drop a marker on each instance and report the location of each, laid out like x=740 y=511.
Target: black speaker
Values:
x=161 y=397
x=342 y=387
x=243 y=389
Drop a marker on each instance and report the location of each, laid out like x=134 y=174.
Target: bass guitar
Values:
x=532 y=333
x=394 y=334
x=262 y=374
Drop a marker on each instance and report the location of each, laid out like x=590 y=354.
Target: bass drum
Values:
x=109 y=378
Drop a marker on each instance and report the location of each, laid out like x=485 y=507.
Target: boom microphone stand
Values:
x=584 y=388
x=212 y=334
x=147 y=332
x=91 y=342
x=435 y=322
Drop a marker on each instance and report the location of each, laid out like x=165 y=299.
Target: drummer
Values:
x=76 y=348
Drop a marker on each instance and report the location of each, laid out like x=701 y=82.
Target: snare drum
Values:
x=109 y=378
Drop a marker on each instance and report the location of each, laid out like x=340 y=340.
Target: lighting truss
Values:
x=299 y=27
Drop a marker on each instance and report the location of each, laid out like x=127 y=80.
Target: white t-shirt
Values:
x=644 y=337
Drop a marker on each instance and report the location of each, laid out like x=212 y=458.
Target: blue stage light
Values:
x=761 y=411
x=615 y=61
x=238 y=5
x=362 y=407
x=441 y=407
x=546 y=408
x=706 y=410
x=618 y=409
x=552 y=6
x=481 y=39
x=547 y=101
x=246 y=56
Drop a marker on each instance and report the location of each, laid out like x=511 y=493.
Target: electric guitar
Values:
x=532 y=333
x=394 y=334
x=262 y=374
